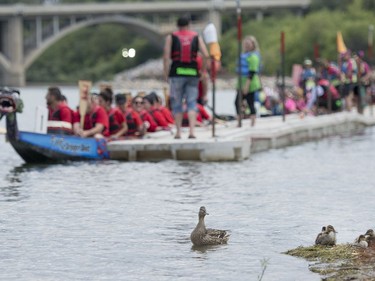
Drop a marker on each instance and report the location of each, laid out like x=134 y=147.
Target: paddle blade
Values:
x=84 y=91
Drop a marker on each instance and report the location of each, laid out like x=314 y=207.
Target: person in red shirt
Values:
x=59 y=114
x=158 y=104
x=96 y=122
x=148 y=121
x=132 y=118
x=149 y=105
x=202 y=115
x=117 y=123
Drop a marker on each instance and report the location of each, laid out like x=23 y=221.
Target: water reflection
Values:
x=10 y=191
x=209 y=248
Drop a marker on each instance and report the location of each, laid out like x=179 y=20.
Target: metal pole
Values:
x=370 y=60
x=213 y=78
x=282 y=52
x=239 y=39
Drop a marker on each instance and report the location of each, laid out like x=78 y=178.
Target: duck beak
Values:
x=207 y=213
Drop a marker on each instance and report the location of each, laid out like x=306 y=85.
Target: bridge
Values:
x=26 y=31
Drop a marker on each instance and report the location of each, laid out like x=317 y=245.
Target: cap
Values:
x=120 y=98
x=307 y=62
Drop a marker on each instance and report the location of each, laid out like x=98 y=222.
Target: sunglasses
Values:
x=138 y=102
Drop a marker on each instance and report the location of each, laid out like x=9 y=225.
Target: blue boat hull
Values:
x=42 y=148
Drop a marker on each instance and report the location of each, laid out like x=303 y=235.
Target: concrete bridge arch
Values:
x=144 y=28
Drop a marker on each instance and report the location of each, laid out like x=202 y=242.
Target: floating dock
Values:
x=232 y=143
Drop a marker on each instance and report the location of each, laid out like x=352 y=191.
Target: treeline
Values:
x=317 y=28
x=95 y=52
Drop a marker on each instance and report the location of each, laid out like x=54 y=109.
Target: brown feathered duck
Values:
x=370 y=237
x=202 y=236
x=327 y=237
x=361 y=241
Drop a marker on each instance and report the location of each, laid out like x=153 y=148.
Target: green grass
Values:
x=341 y=262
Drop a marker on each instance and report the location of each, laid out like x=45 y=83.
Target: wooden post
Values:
x=213 y=78
x=84 y=91
x=239 y=39
x=370 y=54
x=282 y=53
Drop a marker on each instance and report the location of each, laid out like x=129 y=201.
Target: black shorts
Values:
x=346 y=89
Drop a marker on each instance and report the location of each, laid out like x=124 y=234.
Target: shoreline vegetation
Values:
x=149 y=76
x=340 y=262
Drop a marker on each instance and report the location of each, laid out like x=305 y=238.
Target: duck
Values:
x=326 y=237
x=320 y=234
x=361 y=241
x=202 y=236
x=370 y=237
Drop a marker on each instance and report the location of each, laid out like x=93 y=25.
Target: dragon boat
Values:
x=45 y=148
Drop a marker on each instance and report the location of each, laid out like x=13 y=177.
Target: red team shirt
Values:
x=167 y=114
x=148 y=120
x=116 y=119
x=97 y=115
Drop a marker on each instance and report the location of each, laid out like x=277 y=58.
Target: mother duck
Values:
x=202 y=236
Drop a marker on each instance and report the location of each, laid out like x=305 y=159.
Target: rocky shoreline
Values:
x=149 y=75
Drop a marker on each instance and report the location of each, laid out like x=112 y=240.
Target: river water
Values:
x=131 y=221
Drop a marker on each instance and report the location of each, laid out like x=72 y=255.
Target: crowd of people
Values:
x=323 y=85
x=113 y=116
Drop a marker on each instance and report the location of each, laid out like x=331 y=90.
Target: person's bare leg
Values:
x=252 y=118
x=178 y=121
x=192 y=120
x=348 y=102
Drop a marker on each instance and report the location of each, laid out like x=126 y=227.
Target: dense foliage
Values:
x=93 y=53
x=301 y=34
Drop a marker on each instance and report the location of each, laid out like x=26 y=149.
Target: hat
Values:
x=120 y=98
x=307 y=62
x=183 y=21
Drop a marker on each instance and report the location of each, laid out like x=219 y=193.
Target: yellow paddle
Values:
x=84 y=92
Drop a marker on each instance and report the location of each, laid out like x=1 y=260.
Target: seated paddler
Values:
x=95 y=123
x=59 y=114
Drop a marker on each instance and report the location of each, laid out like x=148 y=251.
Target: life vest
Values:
x=243 y=66
x=56 y=126
x=90 y=121
x=184 y=51
x=114 y=126
x=132 y=126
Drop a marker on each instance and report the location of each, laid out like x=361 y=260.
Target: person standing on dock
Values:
x=181 y=47
x=250 y=68
x=349 y=78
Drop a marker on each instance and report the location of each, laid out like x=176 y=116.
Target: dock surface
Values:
x=232 y=143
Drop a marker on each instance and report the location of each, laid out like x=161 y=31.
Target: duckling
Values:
x=327 y=238
x=202 y=236
x=361 y=241
x=318 y=237
x=370 y=237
